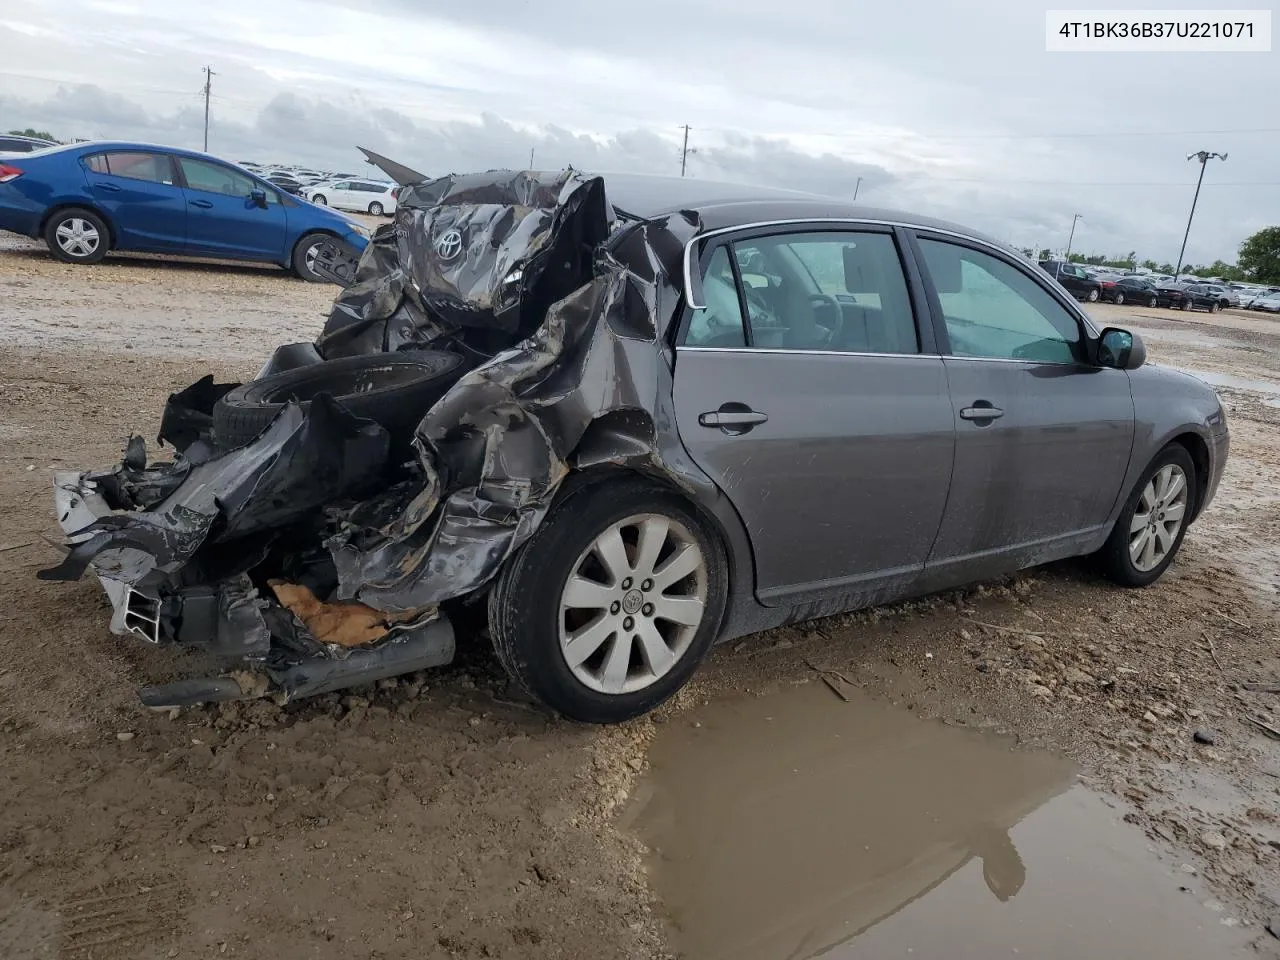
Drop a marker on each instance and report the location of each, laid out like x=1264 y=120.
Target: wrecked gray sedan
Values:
x=627 y=417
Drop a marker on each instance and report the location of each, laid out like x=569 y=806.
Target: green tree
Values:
x=1260 y=256
x=1149 y=264
x=1165 y=267
x=38 y=134
x=1044 y=254
x=1227 y=271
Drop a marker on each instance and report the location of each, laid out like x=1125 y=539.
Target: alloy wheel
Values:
x=77 y=237
x=632 y=604
x=1158 y=517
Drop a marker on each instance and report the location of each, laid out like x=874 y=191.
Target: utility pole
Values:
x=208 y=86
x=1072 y=237
x=684 y=151
x=1204 y=156
x=856 y=186
x=531 y=149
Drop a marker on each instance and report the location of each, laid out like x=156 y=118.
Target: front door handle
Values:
x=107 y=187
x=202 y=204
x=732 y=418
x=982 y=410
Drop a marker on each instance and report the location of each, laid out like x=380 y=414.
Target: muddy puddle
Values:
x=800 y=825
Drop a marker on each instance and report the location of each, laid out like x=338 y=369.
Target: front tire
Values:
x=1187 y=305
x=1119 y=299
x=304 y=256
x=1216 y=308
x=77 y=235
x=1152 y=302
x=1093 y=296
x=609 y=608
x=375 y=209
x=320 y=199
x=1150 y=528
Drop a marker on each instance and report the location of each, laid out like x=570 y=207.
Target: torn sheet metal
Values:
x=477 y=259
x=496 y=447
x=301 y=462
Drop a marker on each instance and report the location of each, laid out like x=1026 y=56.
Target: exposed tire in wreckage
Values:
x=613 y=602
x=392 y=389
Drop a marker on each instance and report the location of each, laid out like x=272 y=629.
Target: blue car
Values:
x=85 y=199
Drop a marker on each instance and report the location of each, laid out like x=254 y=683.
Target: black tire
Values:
x=1152 y=302
x=320 y=199
x=1119 y=298
x=524 y=604
x=300 y=256
x=1113 y=558
x=68 y=216
x=393 y=389
x=375 y=209
x=1216 y=308
x=1093 y=296
x=1187 y=305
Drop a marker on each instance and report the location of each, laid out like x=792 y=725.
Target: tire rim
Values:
x=375 y=209
x=77 y=237
x=309 y=258
x=632 y=604
x=319 y=198
x=1119 y=299
x=1152 y=302
x=1158 y=518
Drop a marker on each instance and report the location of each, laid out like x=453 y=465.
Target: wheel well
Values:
x=1199 y=451
x=97 y=212
x=311 y=233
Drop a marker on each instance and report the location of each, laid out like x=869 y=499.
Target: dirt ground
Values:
x=437 y=816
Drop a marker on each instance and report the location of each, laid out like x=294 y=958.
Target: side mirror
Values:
x=1121 y=349
x=259 y=197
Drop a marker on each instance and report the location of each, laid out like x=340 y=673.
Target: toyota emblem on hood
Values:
x=449 y=245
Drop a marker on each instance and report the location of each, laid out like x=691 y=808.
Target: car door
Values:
x=805 y=391
x=223 y=219
x=140 y=194
x=340 y=195
x=1043 y=436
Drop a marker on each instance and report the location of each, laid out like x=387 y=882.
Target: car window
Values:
x=994 y=310
x=154 y=167
x=720 y=324
x=215 y=178
x=833 y=291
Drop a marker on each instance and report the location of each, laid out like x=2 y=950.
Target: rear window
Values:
x=134 y=165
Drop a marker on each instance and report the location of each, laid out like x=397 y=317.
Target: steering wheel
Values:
x=834 y=303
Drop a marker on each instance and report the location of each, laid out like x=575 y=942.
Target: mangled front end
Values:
x=316 y=551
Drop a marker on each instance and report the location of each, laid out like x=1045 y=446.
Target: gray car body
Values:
x=865 y=486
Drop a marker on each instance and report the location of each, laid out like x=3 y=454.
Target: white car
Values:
x=362 y=196
x=1269 y=302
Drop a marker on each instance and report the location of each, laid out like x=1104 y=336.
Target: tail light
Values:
x=8 y=173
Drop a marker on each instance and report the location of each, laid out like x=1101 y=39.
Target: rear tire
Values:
x=375 y=209
x=1152 y=302
x=1093 y=296
x=1119 y=299
x=1216 y=308
x=77 y=235
x=1116 y=557
x=534 y=621
x=1186 y=305
x=394 y=390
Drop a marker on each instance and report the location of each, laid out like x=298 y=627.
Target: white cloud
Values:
x=914 y=97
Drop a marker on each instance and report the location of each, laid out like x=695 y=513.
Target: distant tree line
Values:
x=1259 y=260
x=38 y=134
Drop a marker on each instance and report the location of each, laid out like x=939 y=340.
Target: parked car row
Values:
x=1157 y=290
x=345 y=191
x=87 y=198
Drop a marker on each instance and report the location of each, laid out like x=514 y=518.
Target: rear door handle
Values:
x=981 y=410
x=732 y=418
x=202 y=204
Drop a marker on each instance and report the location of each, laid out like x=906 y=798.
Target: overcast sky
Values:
x=943 y=107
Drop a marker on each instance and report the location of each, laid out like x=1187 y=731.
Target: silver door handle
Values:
x=731 y=418
x=981 y=413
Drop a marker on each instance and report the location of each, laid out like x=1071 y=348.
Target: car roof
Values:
x=725 y=205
